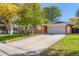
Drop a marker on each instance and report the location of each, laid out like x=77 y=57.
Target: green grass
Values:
x=2 y=35
x=68 y=46
x=9 y=38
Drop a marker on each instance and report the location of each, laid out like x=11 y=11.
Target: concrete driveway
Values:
x=29 y=46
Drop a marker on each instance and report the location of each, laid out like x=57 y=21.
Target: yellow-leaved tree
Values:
x=7 y=14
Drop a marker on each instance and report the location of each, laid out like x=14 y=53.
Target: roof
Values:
x=74 y=18
x=60 y=22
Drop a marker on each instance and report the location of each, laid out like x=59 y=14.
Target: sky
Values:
x=68 y=10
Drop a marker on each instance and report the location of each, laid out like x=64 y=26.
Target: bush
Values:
x=76 y=26
x=9 y=37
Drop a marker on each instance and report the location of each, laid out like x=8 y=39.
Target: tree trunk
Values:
x=6 y=26
x=34 y=30
x=11 y=30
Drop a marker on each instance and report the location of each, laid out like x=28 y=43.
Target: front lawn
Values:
x=9 y=38
x=68 y=46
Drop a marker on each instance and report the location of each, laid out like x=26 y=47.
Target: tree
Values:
x=53 y=13
x=77 y=13
x=7 y=13
x=37 y=16
x=75 y=20
x=24 y=17
x=31 y=15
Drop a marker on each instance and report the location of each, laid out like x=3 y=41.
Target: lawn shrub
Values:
x=9 y=37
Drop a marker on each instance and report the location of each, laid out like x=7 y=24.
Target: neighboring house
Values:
x=74 y=20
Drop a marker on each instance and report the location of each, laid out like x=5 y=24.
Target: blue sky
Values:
x=68 y=10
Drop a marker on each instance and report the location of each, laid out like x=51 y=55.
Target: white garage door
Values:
x=56 y=29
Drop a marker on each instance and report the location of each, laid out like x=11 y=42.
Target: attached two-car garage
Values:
x=57 y=29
